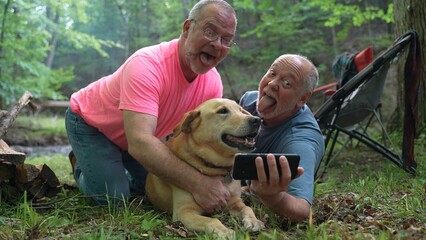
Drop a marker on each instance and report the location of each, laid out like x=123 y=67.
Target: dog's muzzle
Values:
x=246 y=142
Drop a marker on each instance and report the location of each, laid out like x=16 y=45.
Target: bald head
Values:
x=302 y=67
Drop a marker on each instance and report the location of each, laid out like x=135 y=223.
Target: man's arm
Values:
x=286 y=205
x=156 y=157
x=272 y=191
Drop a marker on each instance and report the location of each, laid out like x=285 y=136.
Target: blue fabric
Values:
x=299 y=134
x=344 y=68
x=103 y=171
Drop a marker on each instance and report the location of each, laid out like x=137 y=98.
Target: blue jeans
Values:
x=103 y=171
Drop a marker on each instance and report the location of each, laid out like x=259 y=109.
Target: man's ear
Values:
x=185 y=28
x=304 y=99
x=190 y=121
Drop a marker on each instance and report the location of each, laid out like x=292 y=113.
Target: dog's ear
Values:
x=187 y=123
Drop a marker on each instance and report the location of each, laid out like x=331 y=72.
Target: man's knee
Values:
x=105 y=193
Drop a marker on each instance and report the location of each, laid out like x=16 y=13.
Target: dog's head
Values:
x=217 y=129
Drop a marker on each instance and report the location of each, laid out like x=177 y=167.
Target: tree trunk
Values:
x=2 y=33
x=3 y=24
x=410 y=15
x=54 y=32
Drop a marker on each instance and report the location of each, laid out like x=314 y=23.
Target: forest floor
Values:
x=364 y=196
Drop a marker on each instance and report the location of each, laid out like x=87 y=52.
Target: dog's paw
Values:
x=253 y=225
x=228 y=234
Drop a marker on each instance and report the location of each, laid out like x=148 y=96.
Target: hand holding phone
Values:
x=245 y=165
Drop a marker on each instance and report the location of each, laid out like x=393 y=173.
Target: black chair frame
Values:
x=327 y=114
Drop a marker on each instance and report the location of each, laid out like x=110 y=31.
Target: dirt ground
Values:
x=348 y=211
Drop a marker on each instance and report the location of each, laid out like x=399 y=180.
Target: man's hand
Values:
x=275 y=184
x=272 y=191
x=211 y=194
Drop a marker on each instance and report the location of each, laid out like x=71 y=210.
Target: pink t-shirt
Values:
x=150 y=81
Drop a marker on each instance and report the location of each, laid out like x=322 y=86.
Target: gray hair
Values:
x=198 y=7
x=311 y=80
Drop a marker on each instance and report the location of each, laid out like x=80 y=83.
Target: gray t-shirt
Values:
x=300 y=134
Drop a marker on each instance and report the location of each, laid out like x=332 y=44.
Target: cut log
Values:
x=9 y=155
x=7 y=171
x=9 y=191
x=46 y=184
x=26 y=173
x=15 y=175
x=38 y=180
x=48 y=176
x=13 y=112
x=38 y=188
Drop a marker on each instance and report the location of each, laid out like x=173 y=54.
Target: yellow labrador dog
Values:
x=207 y=139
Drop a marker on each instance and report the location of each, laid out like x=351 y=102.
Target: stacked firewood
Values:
x=16 y=176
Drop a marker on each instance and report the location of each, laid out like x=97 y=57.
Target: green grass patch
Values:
x=364 y=197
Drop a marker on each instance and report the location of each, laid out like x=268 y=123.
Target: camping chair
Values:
x=364 y=104
x=358 y=100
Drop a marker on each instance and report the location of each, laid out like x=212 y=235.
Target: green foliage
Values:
x=30 y=218
x=273 y=22
x=22 y=53
x=85 y=40
x=272 y=28
x=28 y=32
x=132 y=24
x=150 y=221
x=339 y=13
x=81 y=40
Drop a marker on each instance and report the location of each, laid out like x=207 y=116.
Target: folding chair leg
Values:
x=385 y=135
x=337 y=153
x=378 y=148
x=329 y=155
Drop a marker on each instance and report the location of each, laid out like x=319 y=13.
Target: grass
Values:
x=364 y=197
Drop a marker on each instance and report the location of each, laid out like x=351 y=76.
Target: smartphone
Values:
x=245 y=165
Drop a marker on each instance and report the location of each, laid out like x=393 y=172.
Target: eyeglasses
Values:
x=212 y=36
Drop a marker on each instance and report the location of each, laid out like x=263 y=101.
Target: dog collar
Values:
x=210 y=169
x=228 y=178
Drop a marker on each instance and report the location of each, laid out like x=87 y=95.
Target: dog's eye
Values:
x=223 y=111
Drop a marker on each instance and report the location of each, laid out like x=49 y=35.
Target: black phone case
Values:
x=245 y=166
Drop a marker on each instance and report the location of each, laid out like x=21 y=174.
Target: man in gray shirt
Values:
x=288 y=127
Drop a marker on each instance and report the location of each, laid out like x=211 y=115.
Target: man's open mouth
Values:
x=207 y=59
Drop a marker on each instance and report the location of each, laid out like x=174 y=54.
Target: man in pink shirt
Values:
x=115 y=125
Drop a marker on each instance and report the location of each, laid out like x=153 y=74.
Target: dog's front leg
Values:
x=186 y=210
x=238 y=209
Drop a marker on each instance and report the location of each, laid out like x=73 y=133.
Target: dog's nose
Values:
x=255 y=121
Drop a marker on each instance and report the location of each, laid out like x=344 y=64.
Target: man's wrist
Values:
x=272 y=200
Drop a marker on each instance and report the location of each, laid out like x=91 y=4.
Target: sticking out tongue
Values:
x=207 y=59
x=265 y=102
